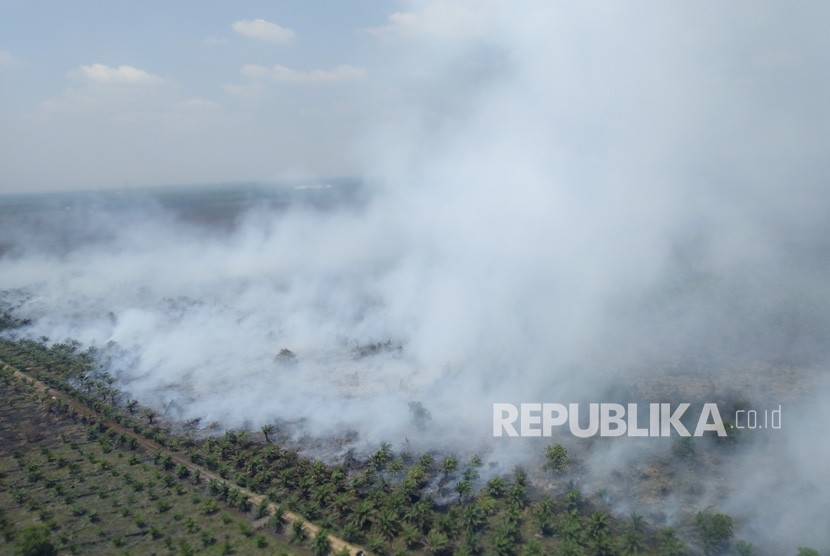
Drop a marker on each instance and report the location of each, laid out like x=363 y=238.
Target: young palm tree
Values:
x=382 y=456
x=463 y=489
x=387 y=524
x=262 y=509
x=277 y=521
x=342 y=504
x=638 y=523
x=298 y=533
x=320 y=544
x=670 y=545
x=323 y=493
x=268 y=430
x=496 y=487
x=449 y=465
x=714 y=530
x=436 y=542
x=632 y=542
x=420 y=515
x=598 y=524
x=410 y=536
x=556 y=458
x=362 y=514
x=243 y=438
x=426 y=461
x=151 y=415
x=415 y=479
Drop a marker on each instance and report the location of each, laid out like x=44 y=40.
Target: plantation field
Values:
x=86 y=471
x=92 y=494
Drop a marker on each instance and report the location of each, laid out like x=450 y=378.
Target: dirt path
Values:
x=149 y=446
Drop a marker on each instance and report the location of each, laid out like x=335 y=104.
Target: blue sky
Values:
x=101 y=94
x=110 y=94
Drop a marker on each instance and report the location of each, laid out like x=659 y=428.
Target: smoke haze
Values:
x=565 y=203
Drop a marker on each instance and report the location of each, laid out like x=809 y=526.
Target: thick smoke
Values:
x=566 y=203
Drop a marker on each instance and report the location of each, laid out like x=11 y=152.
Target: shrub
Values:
x=556 y=458
x=714 y=530
x=34 y=540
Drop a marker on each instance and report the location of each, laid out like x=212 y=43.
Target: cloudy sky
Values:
x=111 y=94
x=97 y=94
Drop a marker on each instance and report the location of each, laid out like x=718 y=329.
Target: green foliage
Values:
x=426 y=461
x=409 y=535
x=185 y=549
x=387 y=524
x=449 y=465
x=633 y=542
x=496 y=486
x=533 y=548
x=210 y=507
x=463 y=489
x=381 y=457
x=277 y=520
x=520 y=476
x=670 y=545
x=350 y=532
x=243 y=503
x=262 y=509
x=182 y=471
x=436 y=542
x=556 y=458
x=246 y=528
x=207 y=539
x=298 y=534
x=320 y=544
x=806 y=551
x=744 y=548
x=34 y=540
x=383 y=503
x=267 y=431
x=714 y=531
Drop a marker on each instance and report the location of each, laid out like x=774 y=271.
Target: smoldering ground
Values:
x=565 y=203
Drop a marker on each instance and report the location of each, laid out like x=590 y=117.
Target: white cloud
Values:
x=443 y=21
x=401 y=24
x=264 y=30
x=6 y=59
x=120 y=92
x=343 y=72
x=122 y=75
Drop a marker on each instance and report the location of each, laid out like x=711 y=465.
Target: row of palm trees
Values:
x=390 y=502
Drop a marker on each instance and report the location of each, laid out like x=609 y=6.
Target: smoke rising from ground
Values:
x=566 y=203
